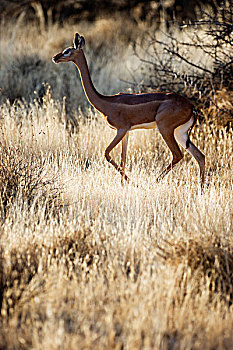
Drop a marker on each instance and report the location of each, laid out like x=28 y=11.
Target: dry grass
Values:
x=87 y=264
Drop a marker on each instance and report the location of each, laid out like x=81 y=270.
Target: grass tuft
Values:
x=207 y=260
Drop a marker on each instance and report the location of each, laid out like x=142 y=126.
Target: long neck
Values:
x=96 y=99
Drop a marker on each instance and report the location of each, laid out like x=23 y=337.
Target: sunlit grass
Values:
x=88 y=264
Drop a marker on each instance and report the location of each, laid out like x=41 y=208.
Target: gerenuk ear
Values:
x=79 y=41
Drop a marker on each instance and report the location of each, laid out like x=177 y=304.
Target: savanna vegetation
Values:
x=84 y=262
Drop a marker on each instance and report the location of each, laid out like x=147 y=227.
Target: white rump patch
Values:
x=181 y=133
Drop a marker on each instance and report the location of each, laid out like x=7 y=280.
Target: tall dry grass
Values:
x=86 y=263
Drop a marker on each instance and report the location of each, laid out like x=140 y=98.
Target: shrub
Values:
x=25 y=177
x=195 y=59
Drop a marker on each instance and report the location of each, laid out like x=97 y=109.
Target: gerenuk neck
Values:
x=94 y=97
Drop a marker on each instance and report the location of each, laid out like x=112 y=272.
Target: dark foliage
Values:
x=137 y=10
x=210 y=38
